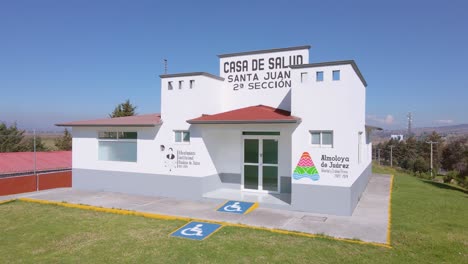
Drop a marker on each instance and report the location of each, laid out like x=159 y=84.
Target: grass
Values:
x=429 y=225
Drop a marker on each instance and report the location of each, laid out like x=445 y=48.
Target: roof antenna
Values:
x=165 y=66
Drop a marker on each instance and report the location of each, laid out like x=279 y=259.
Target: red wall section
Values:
x=18 y=184
x=55 y=180
x=27 y=183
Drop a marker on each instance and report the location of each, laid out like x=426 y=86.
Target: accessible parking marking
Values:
x=196 y=230
x=237 y=207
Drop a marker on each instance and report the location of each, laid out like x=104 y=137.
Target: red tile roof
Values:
x=248 y=115
x=17 y=162
x=138 y=120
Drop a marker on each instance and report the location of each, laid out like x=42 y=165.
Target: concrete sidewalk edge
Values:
x=188 y=219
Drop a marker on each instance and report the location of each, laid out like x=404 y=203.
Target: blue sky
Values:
x=69 y=60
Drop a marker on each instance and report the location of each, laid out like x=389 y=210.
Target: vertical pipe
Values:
x=35 y=157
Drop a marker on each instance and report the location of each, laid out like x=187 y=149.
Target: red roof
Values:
x=17 y=162
x=247 y=115
x=138 y=120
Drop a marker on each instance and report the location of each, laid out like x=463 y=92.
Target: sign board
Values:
x=267 y=71
x=196 y=230
x=331 y=167
x=236 y=207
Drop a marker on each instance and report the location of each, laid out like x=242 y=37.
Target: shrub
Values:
x=450 y=176
x=420 y=165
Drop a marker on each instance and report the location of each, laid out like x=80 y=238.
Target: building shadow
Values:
x=445 y=186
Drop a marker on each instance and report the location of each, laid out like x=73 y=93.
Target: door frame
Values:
x=260 y=163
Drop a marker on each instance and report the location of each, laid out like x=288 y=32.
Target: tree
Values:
x=420 y=165
x=455 y=155
x=64 y=142
x=123 y=109
x=28 y=145
x=11 y=138
x=409 y=153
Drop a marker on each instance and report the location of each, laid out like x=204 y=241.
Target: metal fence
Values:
x=27 y=160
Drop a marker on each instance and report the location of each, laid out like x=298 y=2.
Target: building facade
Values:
x=271 y=123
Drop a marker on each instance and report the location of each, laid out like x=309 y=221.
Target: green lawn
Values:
x=429 y=225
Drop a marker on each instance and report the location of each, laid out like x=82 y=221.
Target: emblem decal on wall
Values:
x=306 y=169
x=170 y=161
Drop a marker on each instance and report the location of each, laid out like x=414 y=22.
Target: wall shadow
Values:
x=444 y=186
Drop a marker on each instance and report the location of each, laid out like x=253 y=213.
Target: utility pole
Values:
x=391 y=155
x=431 y=142
x=410 y=124
x=378 y=152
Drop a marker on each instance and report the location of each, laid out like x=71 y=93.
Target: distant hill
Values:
x=445 y=131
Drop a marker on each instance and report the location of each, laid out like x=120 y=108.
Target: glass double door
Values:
x=260 y=164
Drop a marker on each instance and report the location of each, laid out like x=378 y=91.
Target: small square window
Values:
x=180 y=84
x=322 y=139
x=319 y=76
x=315 y=138
x=178 y=136
x=186 y=136
x=182 y=136
x=336 y=75
x=169 y=86
x=303 y=76
x=327 y=138
x=192 y=82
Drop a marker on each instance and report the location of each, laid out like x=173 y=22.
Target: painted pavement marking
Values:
x=196 y=230
x=237 y=207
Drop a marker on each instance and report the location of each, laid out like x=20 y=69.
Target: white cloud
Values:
x=387 y=120
x=444 y=121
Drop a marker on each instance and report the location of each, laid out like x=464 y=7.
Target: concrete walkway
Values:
x=369 y=221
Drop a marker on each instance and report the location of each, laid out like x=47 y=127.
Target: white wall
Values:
x=85 y=150
x=330 y=105
x=150 y=158
x=225 y=144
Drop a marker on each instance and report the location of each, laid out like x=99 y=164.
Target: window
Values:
x=117 y=146
x=180 y=84
x=319 y=76
x=169 y=86
x=336 y=75
x=192 y=82
x=303 y=76
x=321 y=138
x=182 y=136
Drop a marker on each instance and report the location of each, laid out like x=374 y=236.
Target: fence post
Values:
x=35 y=172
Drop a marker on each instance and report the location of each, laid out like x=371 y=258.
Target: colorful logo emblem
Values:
x=306 y=169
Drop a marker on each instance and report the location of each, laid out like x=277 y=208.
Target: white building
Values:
x=270 y=124
x=397 y=137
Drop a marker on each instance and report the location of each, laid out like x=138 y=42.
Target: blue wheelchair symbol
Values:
x=196 y=230
x=236 y=207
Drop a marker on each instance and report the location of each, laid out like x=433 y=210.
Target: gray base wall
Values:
x=329 y=199
x=184 y=187
x=359 y=186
